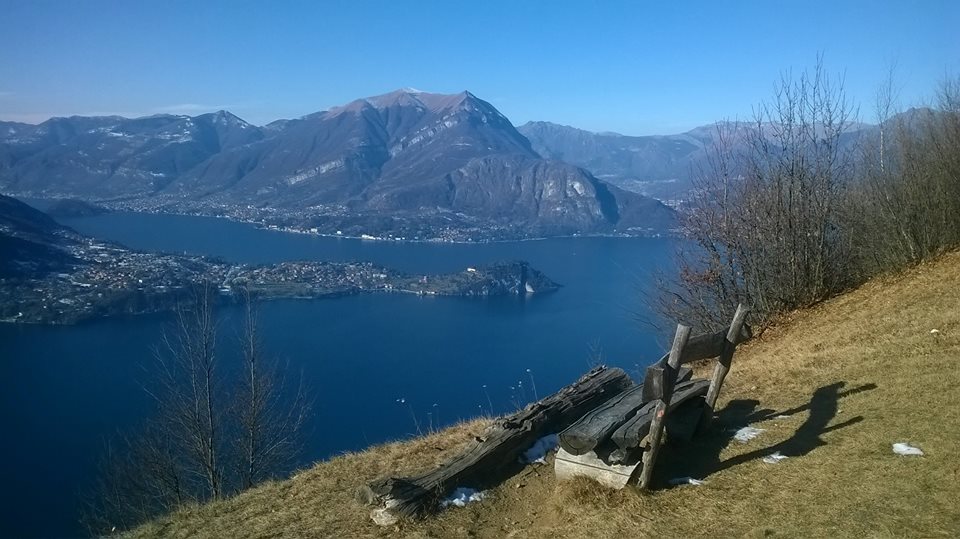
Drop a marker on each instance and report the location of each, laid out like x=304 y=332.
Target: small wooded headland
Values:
x=833 y=386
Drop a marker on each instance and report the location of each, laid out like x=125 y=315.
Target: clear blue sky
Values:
x=636 y=67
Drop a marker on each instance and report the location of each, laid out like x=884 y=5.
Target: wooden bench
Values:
x=617 y=442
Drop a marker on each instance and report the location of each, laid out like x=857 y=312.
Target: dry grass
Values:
x=842 y=478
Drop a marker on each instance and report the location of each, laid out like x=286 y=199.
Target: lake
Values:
x=68 y=389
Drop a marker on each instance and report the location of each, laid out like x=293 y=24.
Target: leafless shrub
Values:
x=765 y=220
x=908 y=194
x=781 y=218
x=212 y=434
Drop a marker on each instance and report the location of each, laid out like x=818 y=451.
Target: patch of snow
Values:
x=746 y=434
x=782 y=417
x=901 y=448
x=462 y=496
x=774 y=458
x=538 y=452
x=934 y=331
x=687 y=481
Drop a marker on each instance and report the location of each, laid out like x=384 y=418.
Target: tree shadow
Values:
x=700 y=458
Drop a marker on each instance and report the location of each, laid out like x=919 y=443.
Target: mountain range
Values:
x=405 y=162
x=658 y=166
x=663 y=166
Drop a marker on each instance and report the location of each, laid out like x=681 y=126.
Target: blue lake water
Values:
x=66 y=389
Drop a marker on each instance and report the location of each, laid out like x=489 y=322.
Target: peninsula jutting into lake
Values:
x=51 y=274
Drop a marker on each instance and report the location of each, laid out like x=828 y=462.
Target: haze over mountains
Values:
x=656 y=165
x=407 y=162
x=660 y=166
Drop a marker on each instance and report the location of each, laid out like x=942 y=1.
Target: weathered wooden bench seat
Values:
x=609 y=426
x=622 y=436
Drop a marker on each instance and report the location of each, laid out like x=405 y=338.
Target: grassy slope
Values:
x=842 y=478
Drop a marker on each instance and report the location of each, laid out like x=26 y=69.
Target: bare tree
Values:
x=189 y=393
x=270 y=417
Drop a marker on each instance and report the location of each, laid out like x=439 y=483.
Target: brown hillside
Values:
x=853 y=375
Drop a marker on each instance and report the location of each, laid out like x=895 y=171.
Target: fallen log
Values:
x=494 y=456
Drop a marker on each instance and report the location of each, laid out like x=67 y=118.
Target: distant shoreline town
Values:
x=109 y=280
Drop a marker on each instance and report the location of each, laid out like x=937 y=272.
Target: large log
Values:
x=629 y=435
x=494 y=456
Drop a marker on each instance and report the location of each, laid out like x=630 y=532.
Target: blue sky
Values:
x=637 y=67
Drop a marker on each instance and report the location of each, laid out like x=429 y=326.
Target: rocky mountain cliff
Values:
x=400 y=157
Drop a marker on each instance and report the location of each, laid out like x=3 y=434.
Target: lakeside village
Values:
x=108 y=280
x=441 y=226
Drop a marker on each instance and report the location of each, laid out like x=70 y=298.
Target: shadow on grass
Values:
x=701 y=457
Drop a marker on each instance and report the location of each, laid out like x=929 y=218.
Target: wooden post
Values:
x=723 y=363
x=659 y=416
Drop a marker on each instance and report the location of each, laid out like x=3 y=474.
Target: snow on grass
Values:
x=746 y=434
x=538 y=452
x=462 y=496
x=774 y=458
x=687 y=481
x=901 y=448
